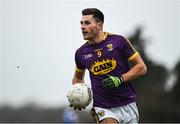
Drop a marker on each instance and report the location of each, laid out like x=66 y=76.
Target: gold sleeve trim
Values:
x=133 y=56
x=105 y=35
x=79 y=70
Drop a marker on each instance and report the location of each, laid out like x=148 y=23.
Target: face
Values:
x=90 y=27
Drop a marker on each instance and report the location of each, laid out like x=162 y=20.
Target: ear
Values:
x=100 y=25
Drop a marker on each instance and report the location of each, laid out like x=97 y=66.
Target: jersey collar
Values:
x=105 y=36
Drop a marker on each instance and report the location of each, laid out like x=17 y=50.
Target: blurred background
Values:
x=38 y=40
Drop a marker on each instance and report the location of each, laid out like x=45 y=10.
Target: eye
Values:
x=87 y=22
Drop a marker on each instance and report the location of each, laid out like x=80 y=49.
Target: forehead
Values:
x=87 y=18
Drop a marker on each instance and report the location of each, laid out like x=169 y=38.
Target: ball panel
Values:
x=80 y=95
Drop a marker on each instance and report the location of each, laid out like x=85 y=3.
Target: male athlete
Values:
x=107 y=58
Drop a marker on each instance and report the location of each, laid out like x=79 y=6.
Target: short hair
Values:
x=97 y=14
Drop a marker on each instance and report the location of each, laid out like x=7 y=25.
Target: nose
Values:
x=82 y=27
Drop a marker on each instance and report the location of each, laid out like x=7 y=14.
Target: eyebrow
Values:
x=85 y=21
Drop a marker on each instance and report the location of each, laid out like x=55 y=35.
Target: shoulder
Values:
x=117 y=38
x=82 y=47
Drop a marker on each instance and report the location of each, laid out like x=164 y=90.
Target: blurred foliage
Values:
x=31 y=113
x=154 y=102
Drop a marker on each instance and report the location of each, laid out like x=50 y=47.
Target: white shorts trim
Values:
x=123 y=114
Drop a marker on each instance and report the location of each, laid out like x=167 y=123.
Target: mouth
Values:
x=84 y=33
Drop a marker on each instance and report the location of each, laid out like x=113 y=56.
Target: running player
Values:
x=107 y=58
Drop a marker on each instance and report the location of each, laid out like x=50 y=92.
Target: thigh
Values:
x=133 y=113
x=109 y=121
x=106 y=115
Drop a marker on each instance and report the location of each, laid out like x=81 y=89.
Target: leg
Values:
x=95 y=116
x=104 y=116
x=109 y=121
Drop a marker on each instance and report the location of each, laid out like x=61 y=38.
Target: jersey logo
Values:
x=101 y=113
x=88 y=56
x=103 y=67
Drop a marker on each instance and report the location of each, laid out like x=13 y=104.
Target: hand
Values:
x=112 y=81
x=77 y=108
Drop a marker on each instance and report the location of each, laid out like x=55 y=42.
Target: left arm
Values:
x=138 y=69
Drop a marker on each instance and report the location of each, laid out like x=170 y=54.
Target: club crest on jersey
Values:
x=103 y=67
x=110 y=47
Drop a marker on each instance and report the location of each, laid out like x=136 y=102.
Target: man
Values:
x=107 y=58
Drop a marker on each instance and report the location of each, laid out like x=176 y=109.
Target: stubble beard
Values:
x=91 y=36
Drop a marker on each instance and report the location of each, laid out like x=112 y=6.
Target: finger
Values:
x=109 y=80
x=75 y=108
x=79 y=109
x=109 y=84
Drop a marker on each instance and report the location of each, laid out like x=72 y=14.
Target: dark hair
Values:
x=97 y=14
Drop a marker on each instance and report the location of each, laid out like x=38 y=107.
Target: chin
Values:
x=86 y=38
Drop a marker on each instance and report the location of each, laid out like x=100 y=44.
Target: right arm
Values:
x=79 y=69
x=78 y=76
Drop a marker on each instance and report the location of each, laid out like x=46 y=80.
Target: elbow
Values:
x=143 y=69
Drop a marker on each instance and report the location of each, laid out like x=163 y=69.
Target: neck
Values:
x=99 y=38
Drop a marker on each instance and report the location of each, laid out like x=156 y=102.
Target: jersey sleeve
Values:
x=79 y=64
x=127 y=49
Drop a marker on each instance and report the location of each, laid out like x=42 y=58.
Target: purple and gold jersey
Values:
x=110 y=57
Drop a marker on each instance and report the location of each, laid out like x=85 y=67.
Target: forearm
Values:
x=136 y=71
x=77 y=80
x=78 y=77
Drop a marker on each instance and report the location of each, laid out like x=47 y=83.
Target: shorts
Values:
x=123 y=114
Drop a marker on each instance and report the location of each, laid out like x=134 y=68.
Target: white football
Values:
x=80 y=95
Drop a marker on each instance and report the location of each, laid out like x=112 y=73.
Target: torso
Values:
x=109 y=58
